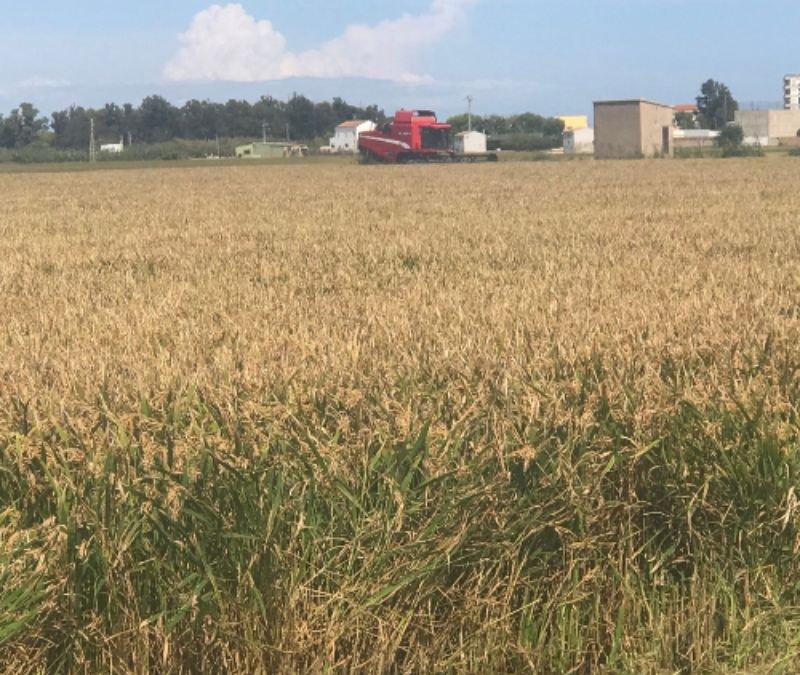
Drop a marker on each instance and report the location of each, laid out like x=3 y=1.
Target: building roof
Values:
x=352 y=124
x=629 y=101
x=686 y=107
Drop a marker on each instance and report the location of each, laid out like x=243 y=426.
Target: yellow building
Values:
x=574 y=122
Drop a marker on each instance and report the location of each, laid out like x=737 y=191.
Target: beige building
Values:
x=632 y=128
x=768 y=127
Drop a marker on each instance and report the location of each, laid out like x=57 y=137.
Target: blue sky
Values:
x=551 y=57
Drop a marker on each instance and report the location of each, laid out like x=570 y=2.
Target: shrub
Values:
x=524 y=142
x=731 y=135
x=742 y=151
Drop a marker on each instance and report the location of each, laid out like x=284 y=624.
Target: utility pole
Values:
x=288 y=136
x=92 y=147
x=469 y=113
x=264 y=131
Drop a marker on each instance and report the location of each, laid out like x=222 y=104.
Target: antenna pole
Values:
x=92 y=147
x=469 y=113
x=264 y=131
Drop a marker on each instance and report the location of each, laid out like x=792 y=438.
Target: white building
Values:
x=113 y=147
x=791 y=92
x=470 y=142
x=695 y=138
x=579 y=141
x=347 y=133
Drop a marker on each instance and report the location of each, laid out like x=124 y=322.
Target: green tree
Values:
x=22 y=127
x=553 y=127
x=130 y=121
x=528 y=123
x=325 y=119
x=199 y=120
x=109 y=123
x=376 y=114
x=71 y=128
x=717 y=105
x=685 y=120
x=159 y=120
x=240 y=120
x=271 y=112
x=342 y=110
x=7 y=136
x=300 y=113
x=731 y=136
x=460 y=123
x=497 y=124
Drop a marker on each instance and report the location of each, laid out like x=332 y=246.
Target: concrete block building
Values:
x=768 y=127
x=632 y=128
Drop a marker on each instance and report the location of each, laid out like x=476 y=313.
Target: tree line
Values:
x=156 y=120
x=526 y=131
x=498 y=125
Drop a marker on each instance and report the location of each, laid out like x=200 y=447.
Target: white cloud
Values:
x=35 y=85
x=226 y=43
x=37 y=82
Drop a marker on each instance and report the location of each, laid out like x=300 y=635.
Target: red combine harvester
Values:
x=414 y=136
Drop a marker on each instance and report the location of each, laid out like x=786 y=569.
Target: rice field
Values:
x=535 y=417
